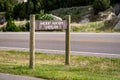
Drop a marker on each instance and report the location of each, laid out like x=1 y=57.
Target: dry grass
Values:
x=87 y=27
x=7 y=57
x=18 y=23
x=51 y=66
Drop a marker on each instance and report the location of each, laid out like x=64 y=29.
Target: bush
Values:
x=43 y=16
x=11 y=26
x=101 y=5
x=25 y=27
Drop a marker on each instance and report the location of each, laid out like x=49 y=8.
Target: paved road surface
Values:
x=4 y=76
x=80 y=42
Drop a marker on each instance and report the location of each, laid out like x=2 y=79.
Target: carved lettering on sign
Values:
x=50 y=25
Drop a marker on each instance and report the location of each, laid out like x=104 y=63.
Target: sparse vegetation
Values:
x=51 y=66
x=87 y=27
x=109 y=25
x=99 y=26
x=77 y=13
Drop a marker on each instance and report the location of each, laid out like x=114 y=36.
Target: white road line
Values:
x=63 y=52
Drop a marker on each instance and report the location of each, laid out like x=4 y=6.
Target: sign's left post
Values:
x=32 y=42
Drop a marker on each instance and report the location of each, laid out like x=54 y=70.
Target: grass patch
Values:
x=99 y=26
x=51 y=66
x=87 y=27
x=17 y=23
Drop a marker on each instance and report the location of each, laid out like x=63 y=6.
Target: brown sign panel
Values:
x=50 y=25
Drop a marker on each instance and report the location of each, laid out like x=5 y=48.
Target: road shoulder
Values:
x=5 y=76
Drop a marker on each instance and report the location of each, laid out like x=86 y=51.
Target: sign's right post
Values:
x=67 y=52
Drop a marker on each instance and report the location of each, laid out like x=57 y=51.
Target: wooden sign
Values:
x=50 y=25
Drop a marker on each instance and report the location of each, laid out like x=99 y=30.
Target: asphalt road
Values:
x=80 y=42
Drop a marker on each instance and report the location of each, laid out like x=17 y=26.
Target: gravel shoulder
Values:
x=4 y=76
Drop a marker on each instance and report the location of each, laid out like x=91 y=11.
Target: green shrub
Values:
x=1 y=28
x=101 y=5
x=25 y=27
x=43 y=16
x=11 y=26
x=46 y=17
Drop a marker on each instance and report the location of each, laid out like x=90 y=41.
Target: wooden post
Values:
x=32 y=42
x=67 y=56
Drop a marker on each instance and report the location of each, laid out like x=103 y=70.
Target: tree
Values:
x=2 y=6
x=9 y=9
x=101 y=5
x=16 y=11
x=30 y=7
x=38 y=6
x=23 y=13
x=45 y=4
x=7 y=6
x=114 y=1
x=20 y=11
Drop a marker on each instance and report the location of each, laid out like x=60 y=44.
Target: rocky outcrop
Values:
x=106 y=15
x=56 y=18
x=117 y=12
x=110 y=16
x=2 y=18
x=116 y=9
x=85 y=19
x=117 y=26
